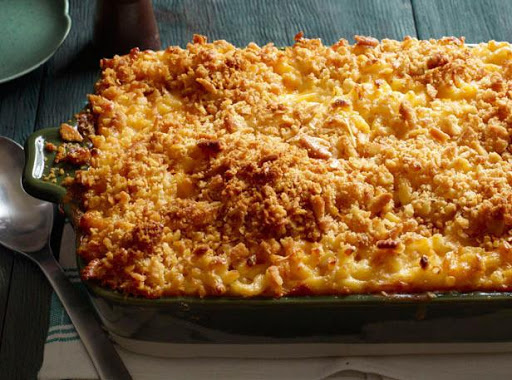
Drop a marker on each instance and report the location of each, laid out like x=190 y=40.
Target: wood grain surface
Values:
x=18 y=108
x=477 y=20
x=263 y=21
x=54 y=92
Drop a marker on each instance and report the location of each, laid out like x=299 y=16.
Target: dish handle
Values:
x=42 y=177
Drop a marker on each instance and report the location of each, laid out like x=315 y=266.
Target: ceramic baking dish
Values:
x=361 y=318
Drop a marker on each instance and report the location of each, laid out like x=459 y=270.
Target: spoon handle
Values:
x=104 y=356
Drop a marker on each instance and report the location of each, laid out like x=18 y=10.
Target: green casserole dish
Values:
x=360 y=318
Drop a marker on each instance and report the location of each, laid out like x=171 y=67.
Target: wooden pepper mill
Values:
x=121 y=25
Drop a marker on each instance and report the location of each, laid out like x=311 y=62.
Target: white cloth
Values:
x=69 y=360
x=65 y=357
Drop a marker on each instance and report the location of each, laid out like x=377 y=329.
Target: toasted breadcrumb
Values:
x=73 y=153
x=68 y=133
x=383 y=166
x=50 y=147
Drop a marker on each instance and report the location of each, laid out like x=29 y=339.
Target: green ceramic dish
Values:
x=32 y=30
x=442 y=317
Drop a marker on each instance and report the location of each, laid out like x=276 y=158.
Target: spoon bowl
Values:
x=25 y=227
x=25 y=222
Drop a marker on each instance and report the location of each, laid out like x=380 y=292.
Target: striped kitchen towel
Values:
x=60 y=328
x=66 y=358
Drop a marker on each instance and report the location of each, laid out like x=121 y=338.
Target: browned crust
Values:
x=366 y=168
x=70 y=134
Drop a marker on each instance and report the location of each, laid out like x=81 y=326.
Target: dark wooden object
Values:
x=54 y=92
x=123 y=24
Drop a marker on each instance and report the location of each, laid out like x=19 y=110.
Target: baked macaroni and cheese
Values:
x=382 y=166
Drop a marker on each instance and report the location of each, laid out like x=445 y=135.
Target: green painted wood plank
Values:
x=18 y=105
x=26 y=322
x=477 y=20
x=6 y=263
x=72 y=71
x=263 y=21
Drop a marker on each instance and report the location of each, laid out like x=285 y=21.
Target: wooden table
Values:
x=55 y=91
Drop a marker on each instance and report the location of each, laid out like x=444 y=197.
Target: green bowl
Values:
x=358 y=318
x=32 y=30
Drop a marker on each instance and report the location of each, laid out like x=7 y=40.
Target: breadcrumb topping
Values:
x=383 y=166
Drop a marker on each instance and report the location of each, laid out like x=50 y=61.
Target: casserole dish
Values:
x=356 y=318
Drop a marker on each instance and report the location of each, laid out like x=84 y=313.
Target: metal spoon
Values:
x=25 y=227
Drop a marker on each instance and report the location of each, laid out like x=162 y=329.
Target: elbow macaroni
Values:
x=378 y=166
